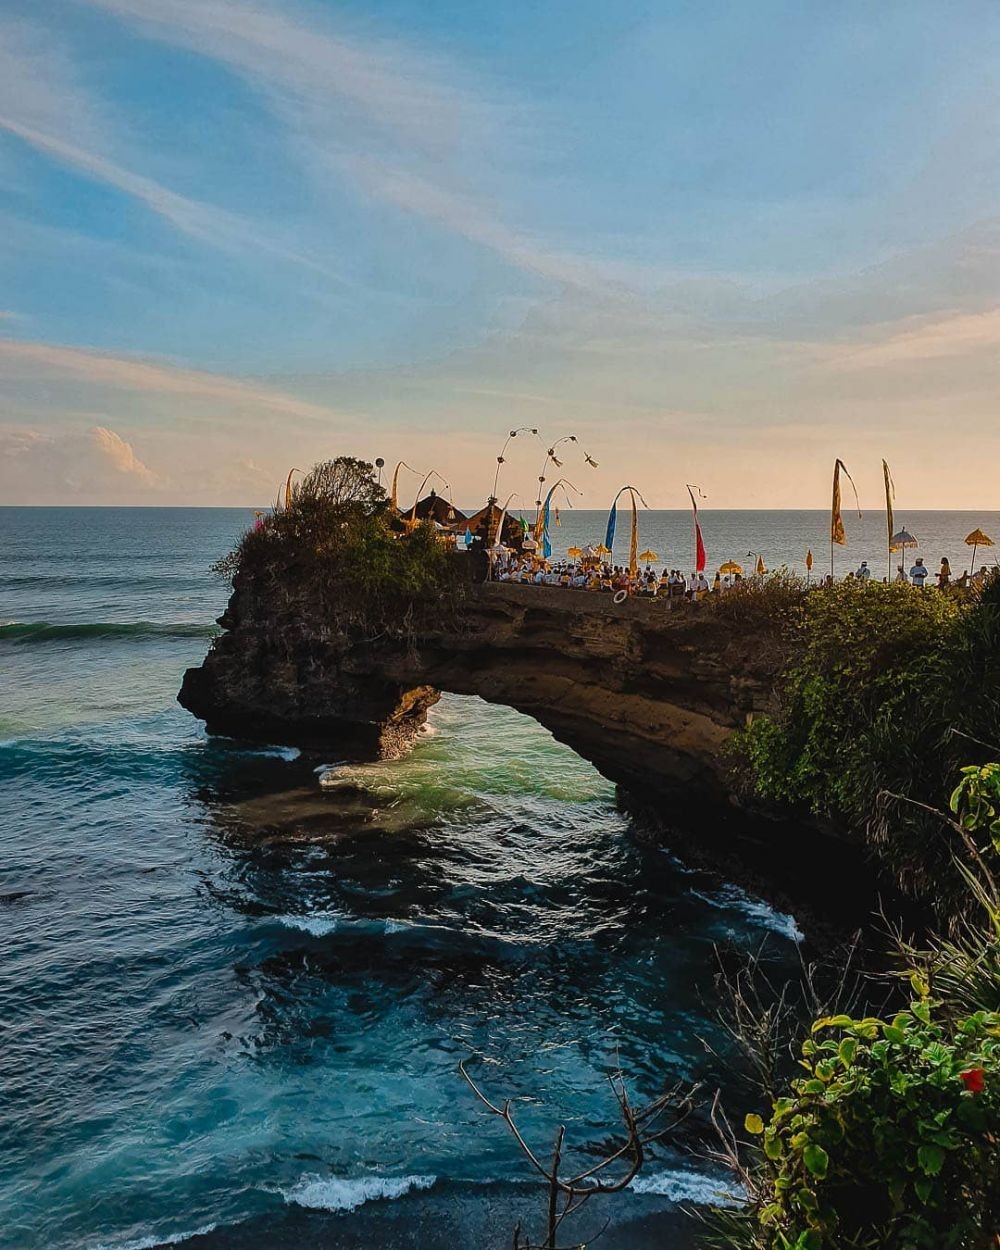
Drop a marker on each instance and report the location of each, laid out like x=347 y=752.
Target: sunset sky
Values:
x=719 y=242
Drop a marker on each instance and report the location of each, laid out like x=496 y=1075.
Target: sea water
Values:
x=234 y=999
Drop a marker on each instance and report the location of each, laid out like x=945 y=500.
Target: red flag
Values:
x=700 y=559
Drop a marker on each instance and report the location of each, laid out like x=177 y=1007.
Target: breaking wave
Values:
x=698 y=1187
x=44 y=631
x=337 y=1193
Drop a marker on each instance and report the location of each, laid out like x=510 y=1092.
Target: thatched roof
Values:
x=484 y=524
x=434 y=507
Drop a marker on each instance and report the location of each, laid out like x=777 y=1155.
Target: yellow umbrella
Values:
x=761 y=568
x=574 y=553
x=647 y=556
x=601 y=550
x=730 y=567
x=978 y=539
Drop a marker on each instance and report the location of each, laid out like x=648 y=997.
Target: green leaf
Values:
x=817 y=1160
x=931 y=1160
x=846 y=1051
x=754 y=1124
x=832 y=1022
x=922 y=1011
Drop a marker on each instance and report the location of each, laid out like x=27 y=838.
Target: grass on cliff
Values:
x=337 y=553
x=888 y=692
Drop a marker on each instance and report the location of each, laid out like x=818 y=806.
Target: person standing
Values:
x=918 y=574
x=900 y=573
x=944 y=574
x=864 y=572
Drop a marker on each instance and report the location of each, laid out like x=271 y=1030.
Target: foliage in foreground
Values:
x=890 y=690
x=889 y=1138
x=336 y=545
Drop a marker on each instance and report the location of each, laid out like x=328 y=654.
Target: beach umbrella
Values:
x=601 y=550
x=901 y=540
x=648 y=556
x=975 y=540
x=574 y=553
x=730 y=567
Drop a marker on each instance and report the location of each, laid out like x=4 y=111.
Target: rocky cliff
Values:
x=647 y=694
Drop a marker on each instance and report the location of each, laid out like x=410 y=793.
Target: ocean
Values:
x=234 y=999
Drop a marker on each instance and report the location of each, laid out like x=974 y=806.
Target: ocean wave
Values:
x=701 y=1188
x=342 y=1193
x=153 y=1240
x=45 y=631
x=732 y=898
x=316 y=925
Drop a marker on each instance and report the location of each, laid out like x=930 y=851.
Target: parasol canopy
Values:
x=730 y=567
x=901 y=540
x=601 y=550
x=978 y=539
x=647 y=556
x=574 y=553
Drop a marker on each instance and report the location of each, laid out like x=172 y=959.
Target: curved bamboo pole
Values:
x=412 y=520
x=521 y=429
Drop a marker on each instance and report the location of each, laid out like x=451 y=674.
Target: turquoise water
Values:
x=234 y=994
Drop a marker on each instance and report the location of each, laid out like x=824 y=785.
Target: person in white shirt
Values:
x=918 y=573
x=864 y=572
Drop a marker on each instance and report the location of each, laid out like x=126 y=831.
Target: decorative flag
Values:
x=468 y=537
x=837 y=534
x=890 y=499
x=609 y=534
x=761 y=567
x=499 y=533
x=809 y=561
x=633 y=547
x=699 y=544
x=289 y=495
x=546 y=543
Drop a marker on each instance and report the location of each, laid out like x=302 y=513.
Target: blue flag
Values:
x=546 y=545
x=609 y=537
x=468 y=536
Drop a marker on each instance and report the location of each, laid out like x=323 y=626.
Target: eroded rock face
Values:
x=648 y=695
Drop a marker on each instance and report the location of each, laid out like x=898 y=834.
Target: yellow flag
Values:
x=837 y=534
x=809 y=560
x=890 y=494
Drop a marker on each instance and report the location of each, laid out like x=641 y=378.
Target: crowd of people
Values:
x=528 y=569
x=614 y=578
x=919 y=574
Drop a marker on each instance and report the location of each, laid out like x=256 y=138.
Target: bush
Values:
x=887 y=686
x=892 y=1137
x=337 y=551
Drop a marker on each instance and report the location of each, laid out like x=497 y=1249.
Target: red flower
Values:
x=974 y=1080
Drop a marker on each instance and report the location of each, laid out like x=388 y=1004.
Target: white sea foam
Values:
x=343 y=1193
x=157 y=1239
x=281 y=753
x=731 y=898
x=697 y=1187
x=319 y=924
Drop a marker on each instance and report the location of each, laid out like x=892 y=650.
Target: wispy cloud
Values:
x=405 y=128
x=129 y=374
x=917 y=340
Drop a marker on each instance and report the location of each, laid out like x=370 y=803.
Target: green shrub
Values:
x=890 y=1139
x=338 y=553
x=886 y=688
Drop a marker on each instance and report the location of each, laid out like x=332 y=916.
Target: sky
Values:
x=720 y=243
